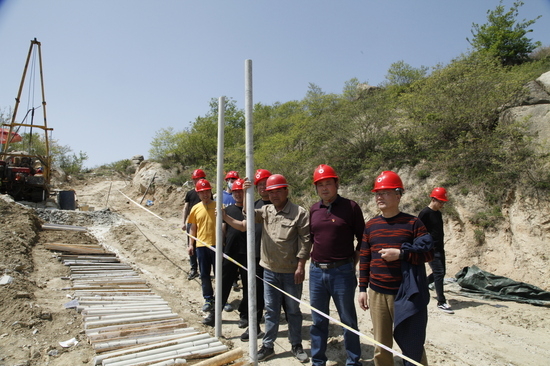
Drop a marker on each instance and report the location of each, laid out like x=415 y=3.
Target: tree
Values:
x=165 y=142
x=401 y=73
x=70 y=162
x=351 y=89
x=197 y=145
x=317 y=101
x=503 y=37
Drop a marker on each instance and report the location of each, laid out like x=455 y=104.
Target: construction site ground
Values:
x=34 y=320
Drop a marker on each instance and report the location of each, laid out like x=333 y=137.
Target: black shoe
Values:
x=299 y=353
x=243 y=323
x=264 y=353
x=192 y=274
x=245 y=337
x=446 y=308
x=210 y=319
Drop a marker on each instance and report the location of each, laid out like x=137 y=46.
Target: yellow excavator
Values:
x=25 y=170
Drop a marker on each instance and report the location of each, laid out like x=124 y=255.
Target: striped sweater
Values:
x=380 y=233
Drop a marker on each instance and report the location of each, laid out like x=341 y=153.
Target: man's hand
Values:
x=300 y=273
x=247 y=184
x=363 y=300
x=191 y=250
x=390 y=255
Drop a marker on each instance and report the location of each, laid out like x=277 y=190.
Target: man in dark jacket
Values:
x=433 y=220
x=335 y=224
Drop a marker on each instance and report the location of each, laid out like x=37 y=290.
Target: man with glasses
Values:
x=433 y=220
x=394 y=250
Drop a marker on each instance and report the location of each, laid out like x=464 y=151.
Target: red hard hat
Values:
x=323 y=172
x=202 y=185
x=232 y=174
x=198 y=173
x=439 y=193
x=261 y=174
x=238 y=185
x=275 y=181
x=387 y=180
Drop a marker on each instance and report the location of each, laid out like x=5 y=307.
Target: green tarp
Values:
x=483 y=284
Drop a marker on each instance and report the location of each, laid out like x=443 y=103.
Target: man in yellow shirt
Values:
x=203 y=227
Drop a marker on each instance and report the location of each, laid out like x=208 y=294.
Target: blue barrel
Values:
x=66 y=200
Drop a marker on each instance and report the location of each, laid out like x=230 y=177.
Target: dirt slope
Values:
x=34 y=320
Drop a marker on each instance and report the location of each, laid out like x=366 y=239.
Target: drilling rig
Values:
x=25 y=160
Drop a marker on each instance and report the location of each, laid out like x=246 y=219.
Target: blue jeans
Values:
x=340 y=284
x=207 y=263
x=273 y=302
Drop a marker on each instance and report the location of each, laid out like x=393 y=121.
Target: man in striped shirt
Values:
x=394 y=248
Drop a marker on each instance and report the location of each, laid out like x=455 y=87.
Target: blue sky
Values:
x=117 y=71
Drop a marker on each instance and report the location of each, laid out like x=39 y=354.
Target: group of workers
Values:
x=391 y=250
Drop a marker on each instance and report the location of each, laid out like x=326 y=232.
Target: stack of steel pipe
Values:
x=125 y=322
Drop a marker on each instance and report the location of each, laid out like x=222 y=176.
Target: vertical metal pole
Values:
x=219 y=200
x=250 y=224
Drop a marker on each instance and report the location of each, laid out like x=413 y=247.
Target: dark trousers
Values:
x=192 y=258
x=243 y=307
x=412 y=340
x=207 y=263
x=230 y=272
x=438 y=274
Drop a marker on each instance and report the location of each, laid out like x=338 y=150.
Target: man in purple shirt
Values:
x=336 y=230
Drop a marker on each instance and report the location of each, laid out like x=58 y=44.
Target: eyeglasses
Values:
x=383 y=193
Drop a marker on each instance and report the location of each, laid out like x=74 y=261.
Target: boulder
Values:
x=544 y=81
x=152 y=172
x=534 y=109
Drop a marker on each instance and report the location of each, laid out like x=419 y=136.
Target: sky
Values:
x=118 y=71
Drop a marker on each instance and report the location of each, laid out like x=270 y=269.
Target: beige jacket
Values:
x=285 y=237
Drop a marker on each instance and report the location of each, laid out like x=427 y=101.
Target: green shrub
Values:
x=488 y=219
x=479 y=237
x=423 y=174
x=121 y=166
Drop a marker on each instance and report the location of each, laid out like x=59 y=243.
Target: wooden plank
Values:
x=222 y=359
x=140 y=332
x=81 y=249
x=92 y=255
